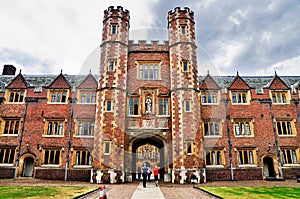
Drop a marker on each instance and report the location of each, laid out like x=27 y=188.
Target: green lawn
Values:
x=254 y=192
x=51 y=192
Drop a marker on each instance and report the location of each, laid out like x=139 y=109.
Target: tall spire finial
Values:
x=275 y=73
x=20 y=71
x=208 y=72
x=237 y=73
x=60 y=71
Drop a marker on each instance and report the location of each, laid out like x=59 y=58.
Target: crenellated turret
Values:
x=184 y=86
x=111 y=95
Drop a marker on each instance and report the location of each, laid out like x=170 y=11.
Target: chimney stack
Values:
x=9 y=70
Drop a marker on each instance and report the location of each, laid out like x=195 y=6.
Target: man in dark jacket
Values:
x=145 y=172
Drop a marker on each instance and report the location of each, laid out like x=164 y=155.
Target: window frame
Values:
x=108 y=105
x=144 y=67
x=81 y=124
x=10 y=158
x=114 y=28
x=185 y=66
x=58 y=126
x=246 y=162
x=162 y=107
x=61 y=92
x=133 y=108
x=53 y=162
x=242 y=124
x=107 y=147
x=189 y=145
x=289 y=125
x=188 y=106
x=209 y=94
x=291 y=160
x=278 y=94
x=91 y=92
x=112 y=65
x=219 y=161
x=78 y=161
x=216 y=123
x=21 y=96
x=183 y=29
x=240 y=94
x=4 y=127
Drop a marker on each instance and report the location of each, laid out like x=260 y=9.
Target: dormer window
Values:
x=58 y=96
x=279 y=97
x=240 y=97
x=209 y=97
x=15 y=96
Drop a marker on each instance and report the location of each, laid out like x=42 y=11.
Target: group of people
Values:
x=146 y=173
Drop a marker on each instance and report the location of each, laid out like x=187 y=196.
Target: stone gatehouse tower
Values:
x=147 y=101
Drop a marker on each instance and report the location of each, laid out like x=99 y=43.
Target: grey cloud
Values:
x=268 y=31
x=31 y=63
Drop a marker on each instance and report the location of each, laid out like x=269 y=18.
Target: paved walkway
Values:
x=150 y=192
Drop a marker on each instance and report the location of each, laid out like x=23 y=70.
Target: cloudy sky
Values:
x=253 y=37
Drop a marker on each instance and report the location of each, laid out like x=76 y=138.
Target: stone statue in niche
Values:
x=148 y=103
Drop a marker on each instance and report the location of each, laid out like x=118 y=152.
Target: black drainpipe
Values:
x=296 y=101
x=228 y=135
x=69 y=138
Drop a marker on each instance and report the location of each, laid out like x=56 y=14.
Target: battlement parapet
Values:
x=144 y=45
x=179 y=13
x=116 y=12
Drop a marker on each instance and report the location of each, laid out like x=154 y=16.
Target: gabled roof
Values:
x=18 y=82
x=88 y=82
x=60 y=82
x=278 y=84
x=209 y=83
x=239 y=84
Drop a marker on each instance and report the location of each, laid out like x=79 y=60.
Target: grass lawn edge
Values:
x=212 y=194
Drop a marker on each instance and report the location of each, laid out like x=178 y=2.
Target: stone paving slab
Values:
x=150 y=192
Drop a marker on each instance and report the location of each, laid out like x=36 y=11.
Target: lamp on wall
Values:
x=27 y=146
x=269 y=147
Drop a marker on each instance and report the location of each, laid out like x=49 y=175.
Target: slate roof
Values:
x=39 y=81
x=256 y=82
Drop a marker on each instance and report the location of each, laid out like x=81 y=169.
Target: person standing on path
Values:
x=155 y=173
x=145 y=172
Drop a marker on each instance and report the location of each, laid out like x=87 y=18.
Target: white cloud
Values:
x=63 y=32
x=289 y=67
x=247 y=36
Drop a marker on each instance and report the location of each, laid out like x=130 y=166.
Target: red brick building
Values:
x=148 y=104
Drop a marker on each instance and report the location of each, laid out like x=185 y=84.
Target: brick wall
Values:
x=6 y=173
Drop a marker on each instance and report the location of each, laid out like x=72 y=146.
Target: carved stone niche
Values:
x=148 y=123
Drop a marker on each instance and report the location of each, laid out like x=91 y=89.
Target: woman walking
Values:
x=155 y=173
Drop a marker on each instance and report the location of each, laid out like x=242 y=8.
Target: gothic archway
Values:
x=149 y=150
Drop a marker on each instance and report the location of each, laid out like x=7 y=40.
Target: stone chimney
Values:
x=9 y=70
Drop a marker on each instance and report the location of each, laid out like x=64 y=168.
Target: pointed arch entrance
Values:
x=27 y=165
x=149 y=150
x=269 y=167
